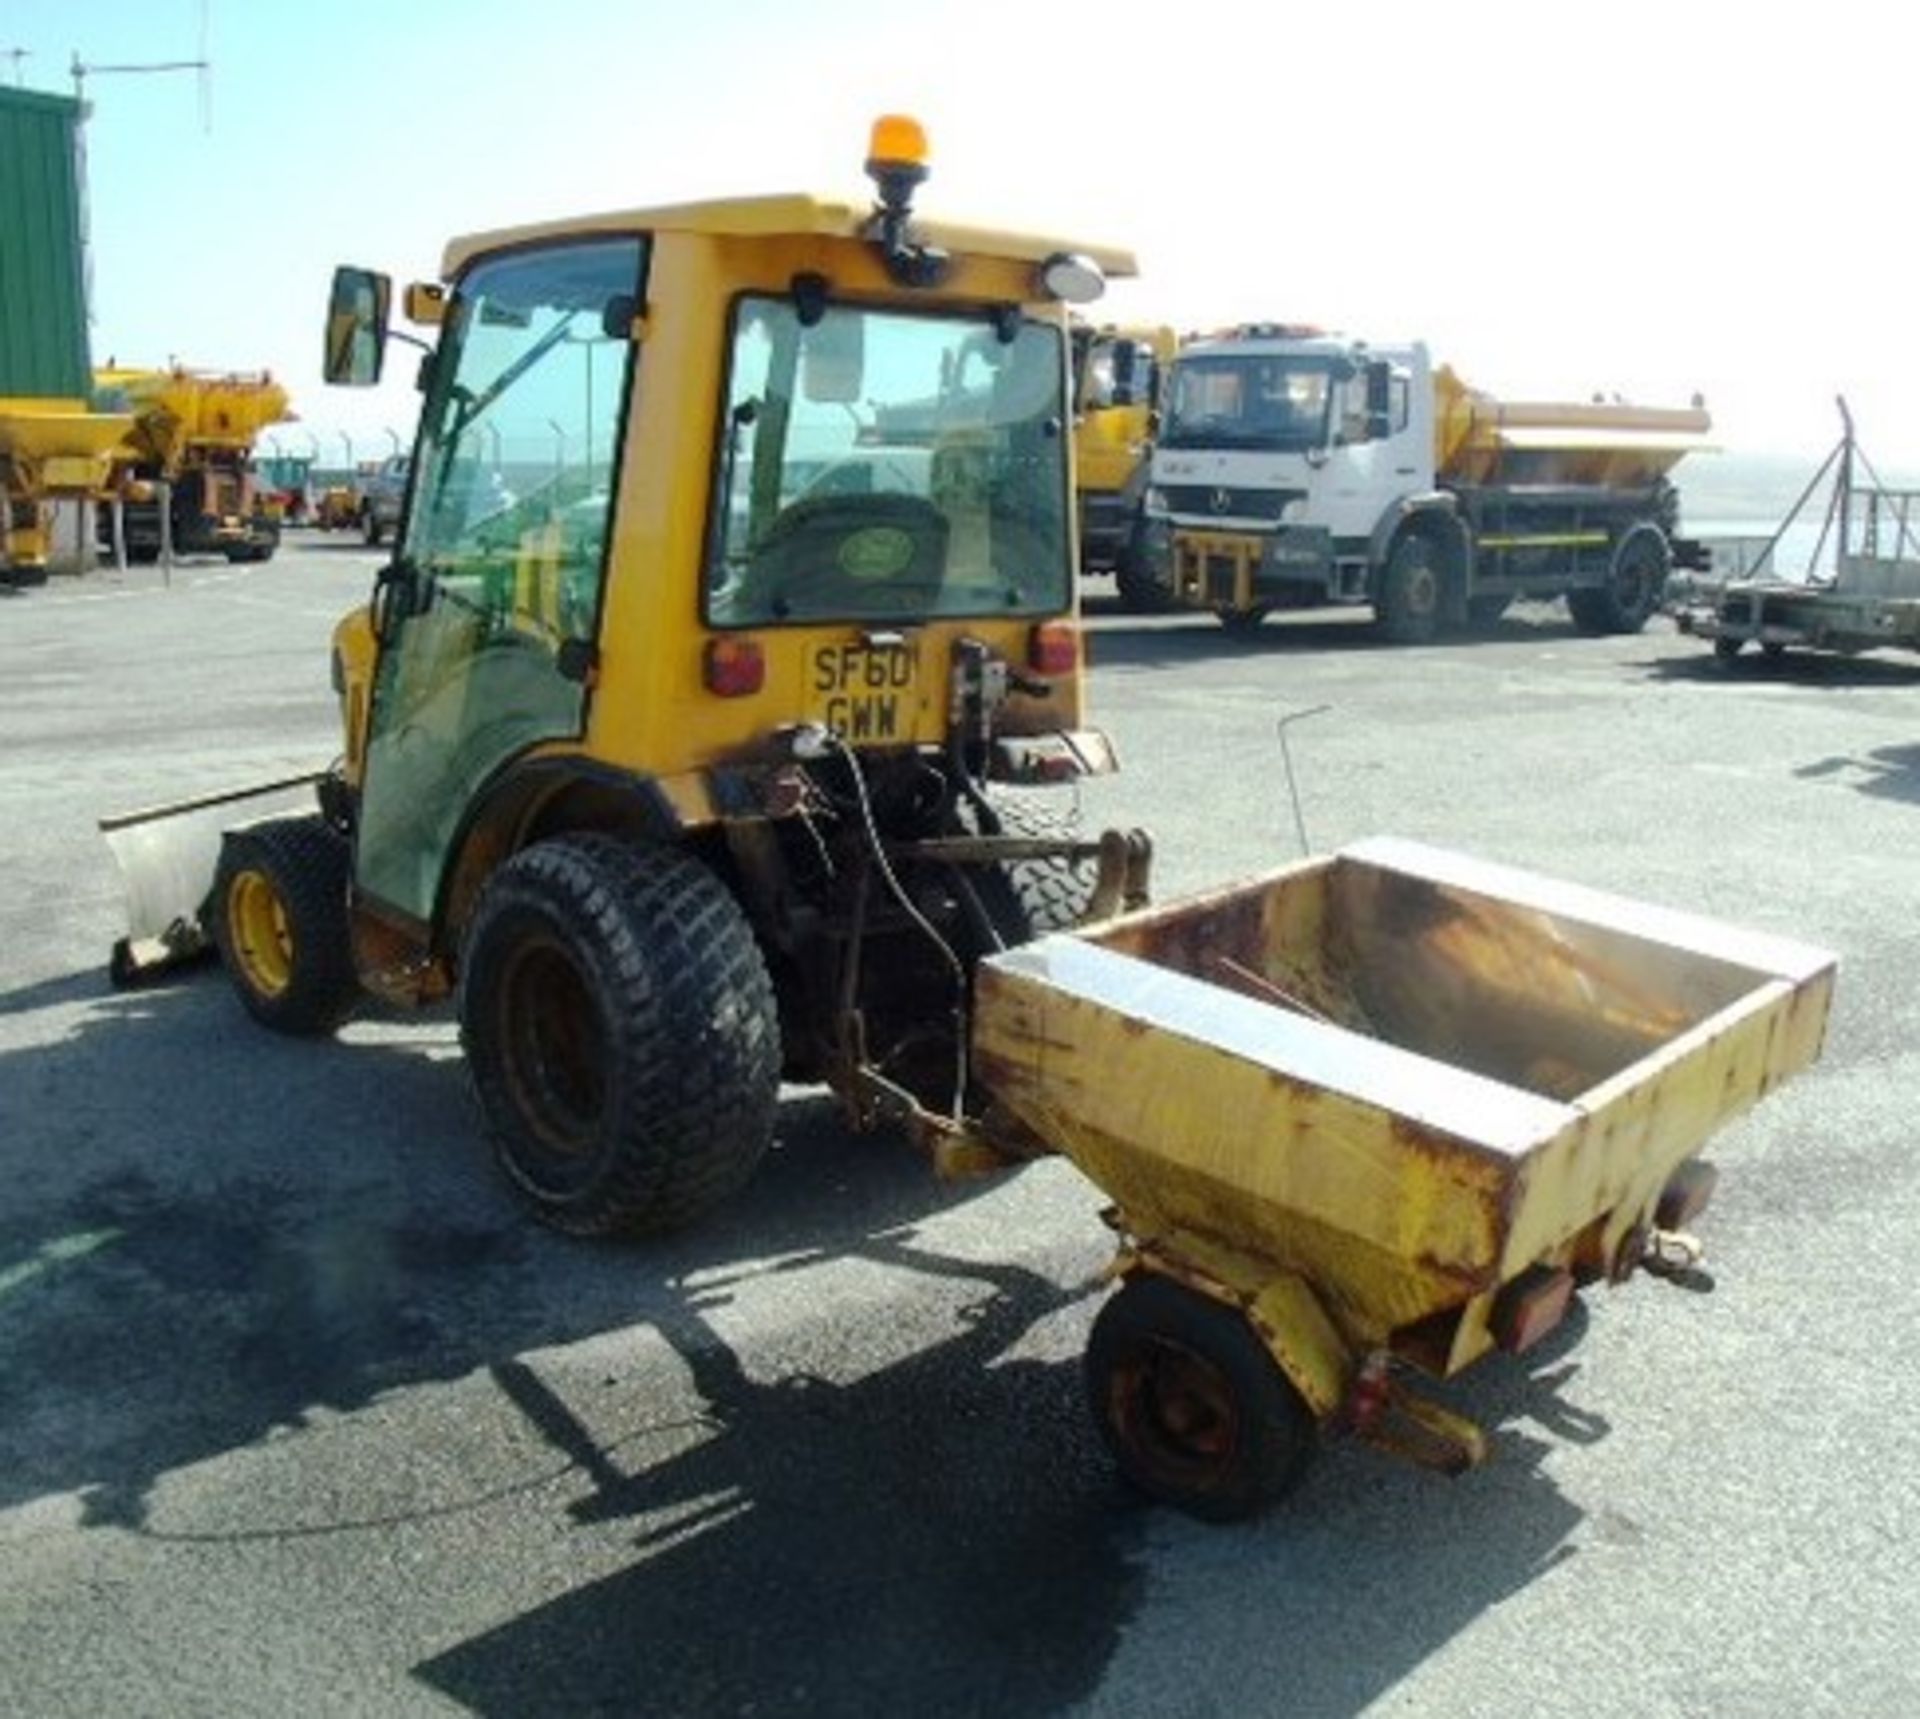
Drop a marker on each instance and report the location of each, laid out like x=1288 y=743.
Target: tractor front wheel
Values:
x=279 y=920
x=620 y=1027
x=1194 y=1409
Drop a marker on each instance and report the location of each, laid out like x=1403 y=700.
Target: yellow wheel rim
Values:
x=261 y=939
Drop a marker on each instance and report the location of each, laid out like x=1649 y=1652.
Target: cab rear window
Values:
x=877 y=465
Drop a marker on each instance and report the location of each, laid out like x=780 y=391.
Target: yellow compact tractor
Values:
x=719 y=742
x=708 y=726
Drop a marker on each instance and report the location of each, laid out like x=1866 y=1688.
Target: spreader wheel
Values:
x=1193 y=1407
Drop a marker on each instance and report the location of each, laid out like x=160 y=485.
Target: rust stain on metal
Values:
x=1254 y=1137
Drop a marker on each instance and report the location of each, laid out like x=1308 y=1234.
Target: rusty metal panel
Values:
x=1401 y=1075
x=43 y=323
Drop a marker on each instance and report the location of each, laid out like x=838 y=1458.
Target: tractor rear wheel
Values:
x=914 y=991
x=1027 y=898
x=1194 y=1409
x=279 y=920
x=621 y=1031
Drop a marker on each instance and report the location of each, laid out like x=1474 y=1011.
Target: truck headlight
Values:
x=1156 y=500
x=1292 y=511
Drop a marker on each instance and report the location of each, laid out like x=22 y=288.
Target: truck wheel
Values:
x=1193 y=1407
x=1636 y=578
x=1485 y=613
x=1141 y=586
x=620 y=1026
x=1409 y=607
x=1243 y=622
x=371 y=532
x=279 y=919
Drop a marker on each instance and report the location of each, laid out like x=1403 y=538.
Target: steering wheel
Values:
x=857 y=552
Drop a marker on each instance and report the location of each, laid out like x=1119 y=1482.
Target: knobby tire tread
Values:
x=307 y=861
x=688 y=1006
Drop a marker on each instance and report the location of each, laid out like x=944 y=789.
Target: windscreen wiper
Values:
x=473 y=407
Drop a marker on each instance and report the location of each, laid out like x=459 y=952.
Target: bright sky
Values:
x=1645 y=198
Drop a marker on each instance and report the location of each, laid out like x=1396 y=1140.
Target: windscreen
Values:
x=1244 y=401
x=879 y=465
x=523 y=420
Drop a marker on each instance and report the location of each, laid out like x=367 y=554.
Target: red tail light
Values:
x=734 y=667
x=1053 y=647
x=1371 y=1389
x=1531 y=1306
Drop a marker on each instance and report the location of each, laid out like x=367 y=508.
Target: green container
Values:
x=43 y=310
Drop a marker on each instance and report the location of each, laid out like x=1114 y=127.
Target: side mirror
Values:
x=358 y=310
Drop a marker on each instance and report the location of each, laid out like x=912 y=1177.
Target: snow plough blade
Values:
x=167 y=855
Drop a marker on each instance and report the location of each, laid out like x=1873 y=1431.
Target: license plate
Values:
x=864 y=691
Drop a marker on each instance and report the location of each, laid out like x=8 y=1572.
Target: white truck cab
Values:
x=1293 y=467
x=1301 y=439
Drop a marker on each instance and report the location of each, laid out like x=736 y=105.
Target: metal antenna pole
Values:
x=81 y=72
x=203 y=65
x=1286 y=758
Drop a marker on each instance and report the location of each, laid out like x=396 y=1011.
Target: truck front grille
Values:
x=1203 y=501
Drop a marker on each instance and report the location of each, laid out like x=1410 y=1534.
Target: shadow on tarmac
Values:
x=1118 y=636
x=1887 y=772
x=315 y=542
x=1811 y=669
x=234 y=1231
x=944 y=1537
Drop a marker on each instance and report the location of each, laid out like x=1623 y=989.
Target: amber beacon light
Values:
x=897 y=163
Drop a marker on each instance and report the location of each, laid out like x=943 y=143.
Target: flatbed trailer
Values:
x=1870 y=600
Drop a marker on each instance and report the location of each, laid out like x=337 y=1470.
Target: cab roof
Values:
x=795 y=214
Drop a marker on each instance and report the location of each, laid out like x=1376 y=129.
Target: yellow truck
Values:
x=191 y=442
x=51 y=450
x=1296 y=467
x=734 y=751
x=1117 y=371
